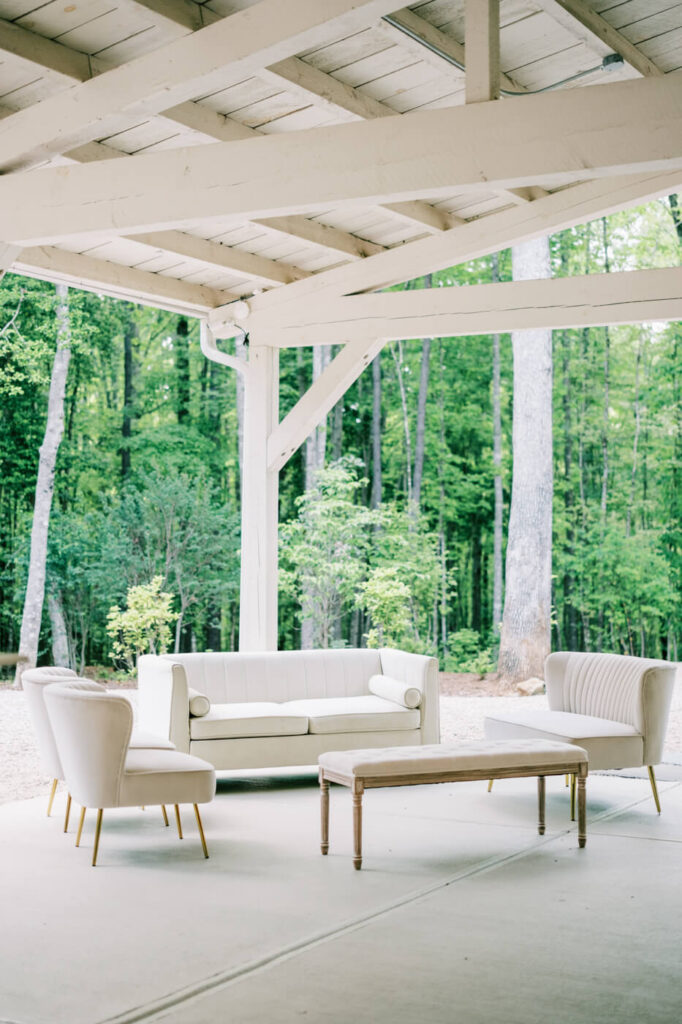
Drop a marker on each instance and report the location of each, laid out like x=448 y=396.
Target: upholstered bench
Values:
x=448 y=762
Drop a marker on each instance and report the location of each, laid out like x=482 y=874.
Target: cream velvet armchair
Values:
x=92 y=732
x=614 y=706
x=34 y=681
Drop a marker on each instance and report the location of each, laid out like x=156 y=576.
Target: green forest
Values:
x=387 y=514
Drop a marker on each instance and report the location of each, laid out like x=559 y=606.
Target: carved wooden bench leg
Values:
x=358 y=789
x=541 y=805
x=324 y=811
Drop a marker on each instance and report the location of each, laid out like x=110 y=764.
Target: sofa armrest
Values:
x=422 y=672
x=658 y=685
x=163 y=701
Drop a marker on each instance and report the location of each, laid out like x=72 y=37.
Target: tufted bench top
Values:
x=486 y=756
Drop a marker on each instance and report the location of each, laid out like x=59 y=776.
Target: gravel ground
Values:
x=461 y=718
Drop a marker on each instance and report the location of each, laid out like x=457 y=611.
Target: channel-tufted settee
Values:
x=263 y=710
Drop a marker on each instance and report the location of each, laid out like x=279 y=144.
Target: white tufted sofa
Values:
x=263 y=710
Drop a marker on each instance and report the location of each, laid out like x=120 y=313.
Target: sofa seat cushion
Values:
x=354 y=714
x=256 y=718
x=608 y=744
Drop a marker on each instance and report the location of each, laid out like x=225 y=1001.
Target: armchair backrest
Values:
x=34 y=681
x=635 y=691
x=92 y=730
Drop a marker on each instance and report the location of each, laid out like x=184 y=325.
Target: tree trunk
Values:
x=375 y=499
x=497 y=471
x=525 y=638
x=54 y=428
x=60 y=641
x=635 y=441
x=315 y=450
x=420 y=433
x=183 y=387
x=129 y=335
x=397 y=353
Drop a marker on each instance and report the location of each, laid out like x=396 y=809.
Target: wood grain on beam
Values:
x=556 y=212
x=599 y=131
x=482 y=47
x=630 y=297
x=91 y=274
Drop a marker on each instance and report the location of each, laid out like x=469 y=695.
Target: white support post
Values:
x=482 y=48
x=260 y=491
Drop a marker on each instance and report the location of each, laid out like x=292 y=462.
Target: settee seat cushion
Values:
x=609 y=744
x=254 y=718
x=354 y=714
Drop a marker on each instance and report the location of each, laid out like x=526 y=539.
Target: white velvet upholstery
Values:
x=199 y=704
x=286 y=707
x=92 y=732
x=614 y=706
x=484 y=755
x=394 y=690
x=354 y=714
x=34 y=681
x=227 y=721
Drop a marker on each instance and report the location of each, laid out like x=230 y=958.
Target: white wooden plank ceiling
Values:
x=378 y=70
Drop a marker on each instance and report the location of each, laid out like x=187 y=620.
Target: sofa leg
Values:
x=177 y=820
x=165 y=816
x=572 y=797
x=654 y=787
x=67 y=813
x=490 y=784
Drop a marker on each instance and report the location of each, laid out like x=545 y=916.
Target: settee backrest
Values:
x=635 y=691
x=231 y=677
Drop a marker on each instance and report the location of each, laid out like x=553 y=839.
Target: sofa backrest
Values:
x=635 y=691
x=232 y=677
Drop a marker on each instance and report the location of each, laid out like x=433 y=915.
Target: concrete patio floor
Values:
x=460 y=913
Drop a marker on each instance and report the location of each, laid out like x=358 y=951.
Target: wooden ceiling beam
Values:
x=599 y=131
x=97 y=275
x=478 y=238
x=596 y=299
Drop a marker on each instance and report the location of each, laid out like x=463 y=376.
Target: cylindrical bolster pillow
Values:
x=199 y=705
x=392 y=689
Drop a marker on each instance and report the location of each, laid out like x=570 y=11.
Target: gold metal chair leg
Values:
x=80 y=827
x=572 y=797
x=566 y=780
x=201 y=831
x=165 y=816
x=68 y=812
x=98 y=829
x=490 y=784
x=52 y=793
x=178 y=822
x=654 y=787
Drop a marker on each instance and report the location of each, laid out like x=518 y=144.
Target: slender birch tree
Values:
x=54 y=429
x=525 y=634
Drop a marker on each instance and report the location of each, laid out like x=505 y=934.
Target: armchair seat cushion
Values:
x=354 y=714
x=608 y=744
x=257 y=718
x=165 y=776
